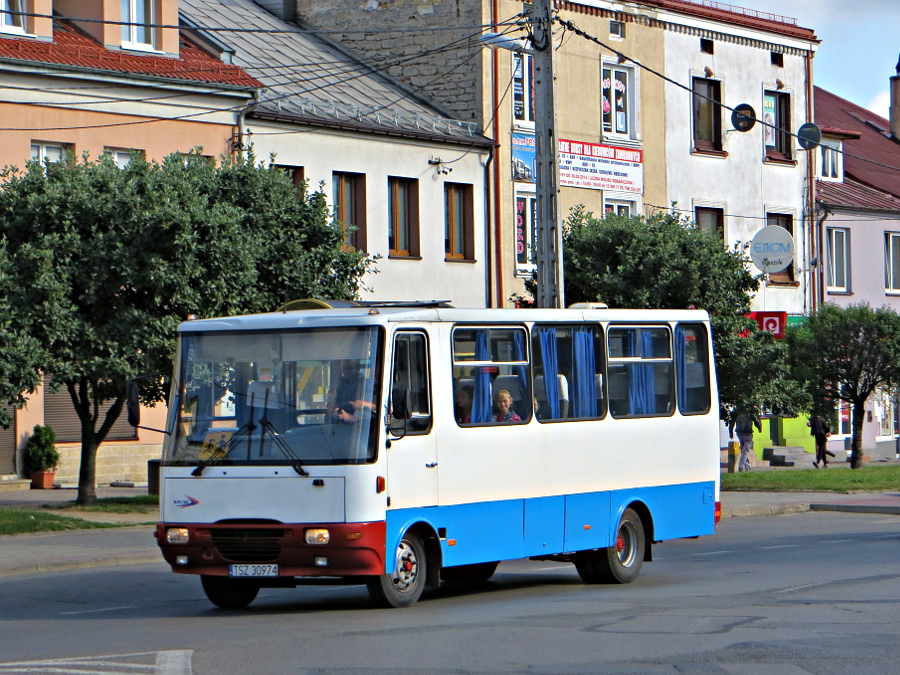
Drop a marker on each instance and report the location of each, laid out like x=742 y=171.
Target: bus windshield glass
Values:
x=300 y=397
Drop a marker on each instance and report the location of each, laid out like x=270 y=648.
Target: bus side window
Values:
x=411 y=372
x=569 y=365
x=692 y=369
x=641 y=376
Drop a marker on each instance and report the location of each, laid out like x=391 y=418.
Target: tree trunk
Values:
x=87 y=487
x=859 y=413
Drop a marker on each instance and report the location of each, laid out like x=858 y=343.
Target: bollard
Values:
x=734 y=454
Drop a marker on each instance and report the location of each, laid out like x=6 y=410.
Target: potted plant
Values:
x=40 y=457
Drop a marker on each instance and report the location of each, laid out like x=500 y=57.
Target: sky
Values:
x=860 y=44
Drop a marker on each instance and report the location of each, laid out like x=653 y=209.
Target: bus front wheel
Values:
x=621 y=562
x=405 y=584
x=229 y=593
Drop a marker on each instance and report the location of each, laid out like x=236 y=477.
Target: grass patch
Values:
x=821 y=480
x=21 y=521
x=137 y=504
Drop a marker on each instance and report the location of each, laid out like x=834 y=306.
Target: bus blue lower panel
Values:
x=520 y=528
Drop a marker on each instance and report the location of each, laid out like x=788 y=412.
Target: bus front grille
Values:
x=247 y=545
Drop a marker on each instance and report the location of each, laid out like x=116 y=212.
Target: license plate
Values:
x=253 y=570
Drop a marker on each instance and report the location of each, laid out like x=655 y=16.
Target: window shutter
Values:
x=8 y=445
x=59 y=413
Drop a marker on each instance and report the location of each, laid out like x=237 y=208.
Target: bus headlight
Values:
x=317 y=535
x=177 y=535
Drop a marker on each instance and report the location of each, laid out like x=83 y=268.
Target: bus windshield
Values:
x=300 y=397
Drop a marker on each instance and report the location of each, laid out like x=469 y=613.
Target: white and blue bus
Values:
x=399 y=445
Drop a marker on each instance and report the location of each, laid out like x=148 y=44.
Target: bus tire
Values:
x=405 y=584
x=229 y=593
x=475 y=574
x=620 y=563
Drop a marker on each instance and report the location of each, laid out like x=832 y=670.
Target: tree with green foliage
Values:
x=98 y=265
x=846 y=353
x=665 y=262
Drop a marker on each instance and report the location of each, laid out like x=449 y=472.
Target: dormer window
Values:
x=831 y=161
x=11 y=20
x=137 y=27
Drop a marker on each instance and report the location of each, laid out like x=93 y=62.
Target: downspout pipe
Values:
x=237 y=146
x=815 y=229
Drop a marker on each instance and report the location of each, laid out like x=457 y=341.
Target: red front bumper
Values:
x=354 y=549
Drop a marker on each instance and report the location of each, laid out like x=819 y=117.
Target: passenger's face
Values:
x=504 y=402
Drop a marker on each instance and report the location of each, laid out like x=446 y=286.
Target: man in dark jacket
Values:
x=821 y=431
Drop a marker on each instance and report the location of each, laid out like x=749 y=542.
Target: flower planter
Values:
x=42 y=480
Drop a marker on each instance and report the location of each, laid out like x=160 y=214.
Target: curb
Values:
x=857 y=508
x=774 y=510
x=60 y=566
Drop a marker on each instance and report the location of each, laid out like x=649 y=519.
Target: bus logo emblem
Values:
x=186 y=502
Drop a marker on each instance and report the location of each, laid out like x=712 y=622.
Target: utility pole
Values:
x=549 y=233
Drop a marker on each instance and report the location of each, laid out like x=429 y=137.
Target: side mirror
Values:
x=133 y=403
x=400 y=412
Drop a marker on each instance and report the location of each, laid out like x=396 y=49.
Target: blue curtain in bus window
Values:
x=482 y=405
x=551 y=368
x=521 y=372
x=641 y=390
x=585 y=403
x=681 y=367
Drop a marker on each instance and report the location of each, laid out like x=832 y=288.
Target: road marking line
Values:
x=170 y=662
x=766 y=548
x=95 y=611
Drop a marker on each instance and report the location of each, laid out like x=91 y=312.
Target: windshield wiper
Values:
x=285 y=449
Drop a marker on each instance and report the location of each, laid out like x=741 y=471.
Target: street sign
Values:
x=743 y=117
x=772 y=249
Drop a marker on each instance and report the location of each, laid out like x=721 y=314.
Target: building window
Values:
x=526 y=233
x=12 y=21
x=523 y=91
x=297 y=174
x=403 y=217
x=838 y=258
x=777 y=59
x=350 y=207
x=459 y=217
x=121 y=156
x=831 y=161
x=617 y=90
x=785 y=276
x=707 y=115
x=48 y=152
x=892 y=262
x=707 y=46
x=617 y=30
x=710 y=220
x=137 y=23
x=777 y=129
x=618 y=207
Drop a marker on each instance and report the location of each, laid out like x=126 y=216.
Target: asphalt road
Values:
x=816 y=592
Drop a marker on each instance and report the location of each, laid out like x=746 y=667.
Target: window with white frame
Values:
x=831 y=161
x=885 y=413
x=837 y=249
x=48 y=152
x=619 y=207
x=617 y=90
x=11 y=20
x=526 y=232
x=892 y=262
x=523 y=91
x=137 y=24
x=617 y=30
x=121 y=156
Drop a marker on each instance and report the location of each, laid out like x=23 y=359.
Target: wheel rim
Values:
x=626 y=544
x=407 y=570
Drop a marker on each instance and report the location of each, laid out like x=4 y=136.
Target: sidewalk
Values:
x=52 y=551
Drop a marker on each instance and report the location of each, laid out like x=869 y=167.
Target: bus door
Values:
x=412 y=458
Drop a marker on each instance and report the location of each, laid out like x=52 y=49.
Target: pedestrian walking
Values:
x=820 y=429
x=744 y=428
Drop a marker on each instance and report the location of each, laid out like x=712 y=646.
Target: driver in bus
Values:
x=344 y=400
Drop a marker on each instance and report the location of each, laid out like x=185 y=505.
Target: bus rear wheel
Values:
x=621 y=562
x=229 y=593
x=405 y=584
x=474 y=574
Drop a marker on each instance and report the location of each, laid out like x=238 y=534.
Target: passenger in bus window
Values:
x=503 y=407
x=465 y=394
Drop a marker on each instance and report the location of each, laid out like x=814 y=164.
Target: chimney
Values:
x=895 y=104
